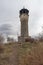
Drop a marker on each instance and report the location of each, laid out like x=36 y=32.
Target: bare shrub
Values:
x=29 y=40
x=1 y=48
x=10 y=39
x=1 y=39
x=1 y=43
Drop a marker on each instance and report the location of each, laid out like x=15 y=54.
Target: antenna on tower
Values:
x=23 y=7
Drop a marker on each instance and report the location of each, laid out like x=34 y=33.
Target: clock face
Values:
x=24 y=17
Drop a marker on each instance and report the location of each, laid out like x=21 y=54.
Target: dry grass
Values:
x=22 y=54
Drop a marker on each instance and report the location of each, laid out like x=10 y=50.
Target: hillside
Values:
x=22 y=54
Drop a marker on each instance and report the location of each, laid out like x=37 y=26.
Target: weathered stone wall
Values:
x=24 y=25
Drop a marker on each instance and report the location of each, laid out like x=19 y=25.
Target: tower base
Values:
x=23 y=39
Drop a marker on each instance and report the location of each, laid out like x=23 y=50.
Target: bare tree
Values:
x=10 y=39
x=40 y=35
x=1 y=43
x=1 y=38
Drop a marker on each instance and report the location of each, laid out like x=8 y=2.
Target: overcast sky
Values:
x=9 y=15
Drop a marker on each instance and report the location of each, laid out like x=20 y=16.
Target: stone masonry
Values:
x=24 y=24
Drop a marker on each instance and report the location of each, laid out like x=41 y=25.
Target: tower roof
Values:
x=24 y=11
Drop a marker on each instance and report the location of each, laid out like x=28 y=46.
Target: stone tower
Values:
x=24 y=24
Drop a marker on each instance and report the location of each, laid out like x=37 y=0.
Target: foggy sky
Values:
x=9 y=15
